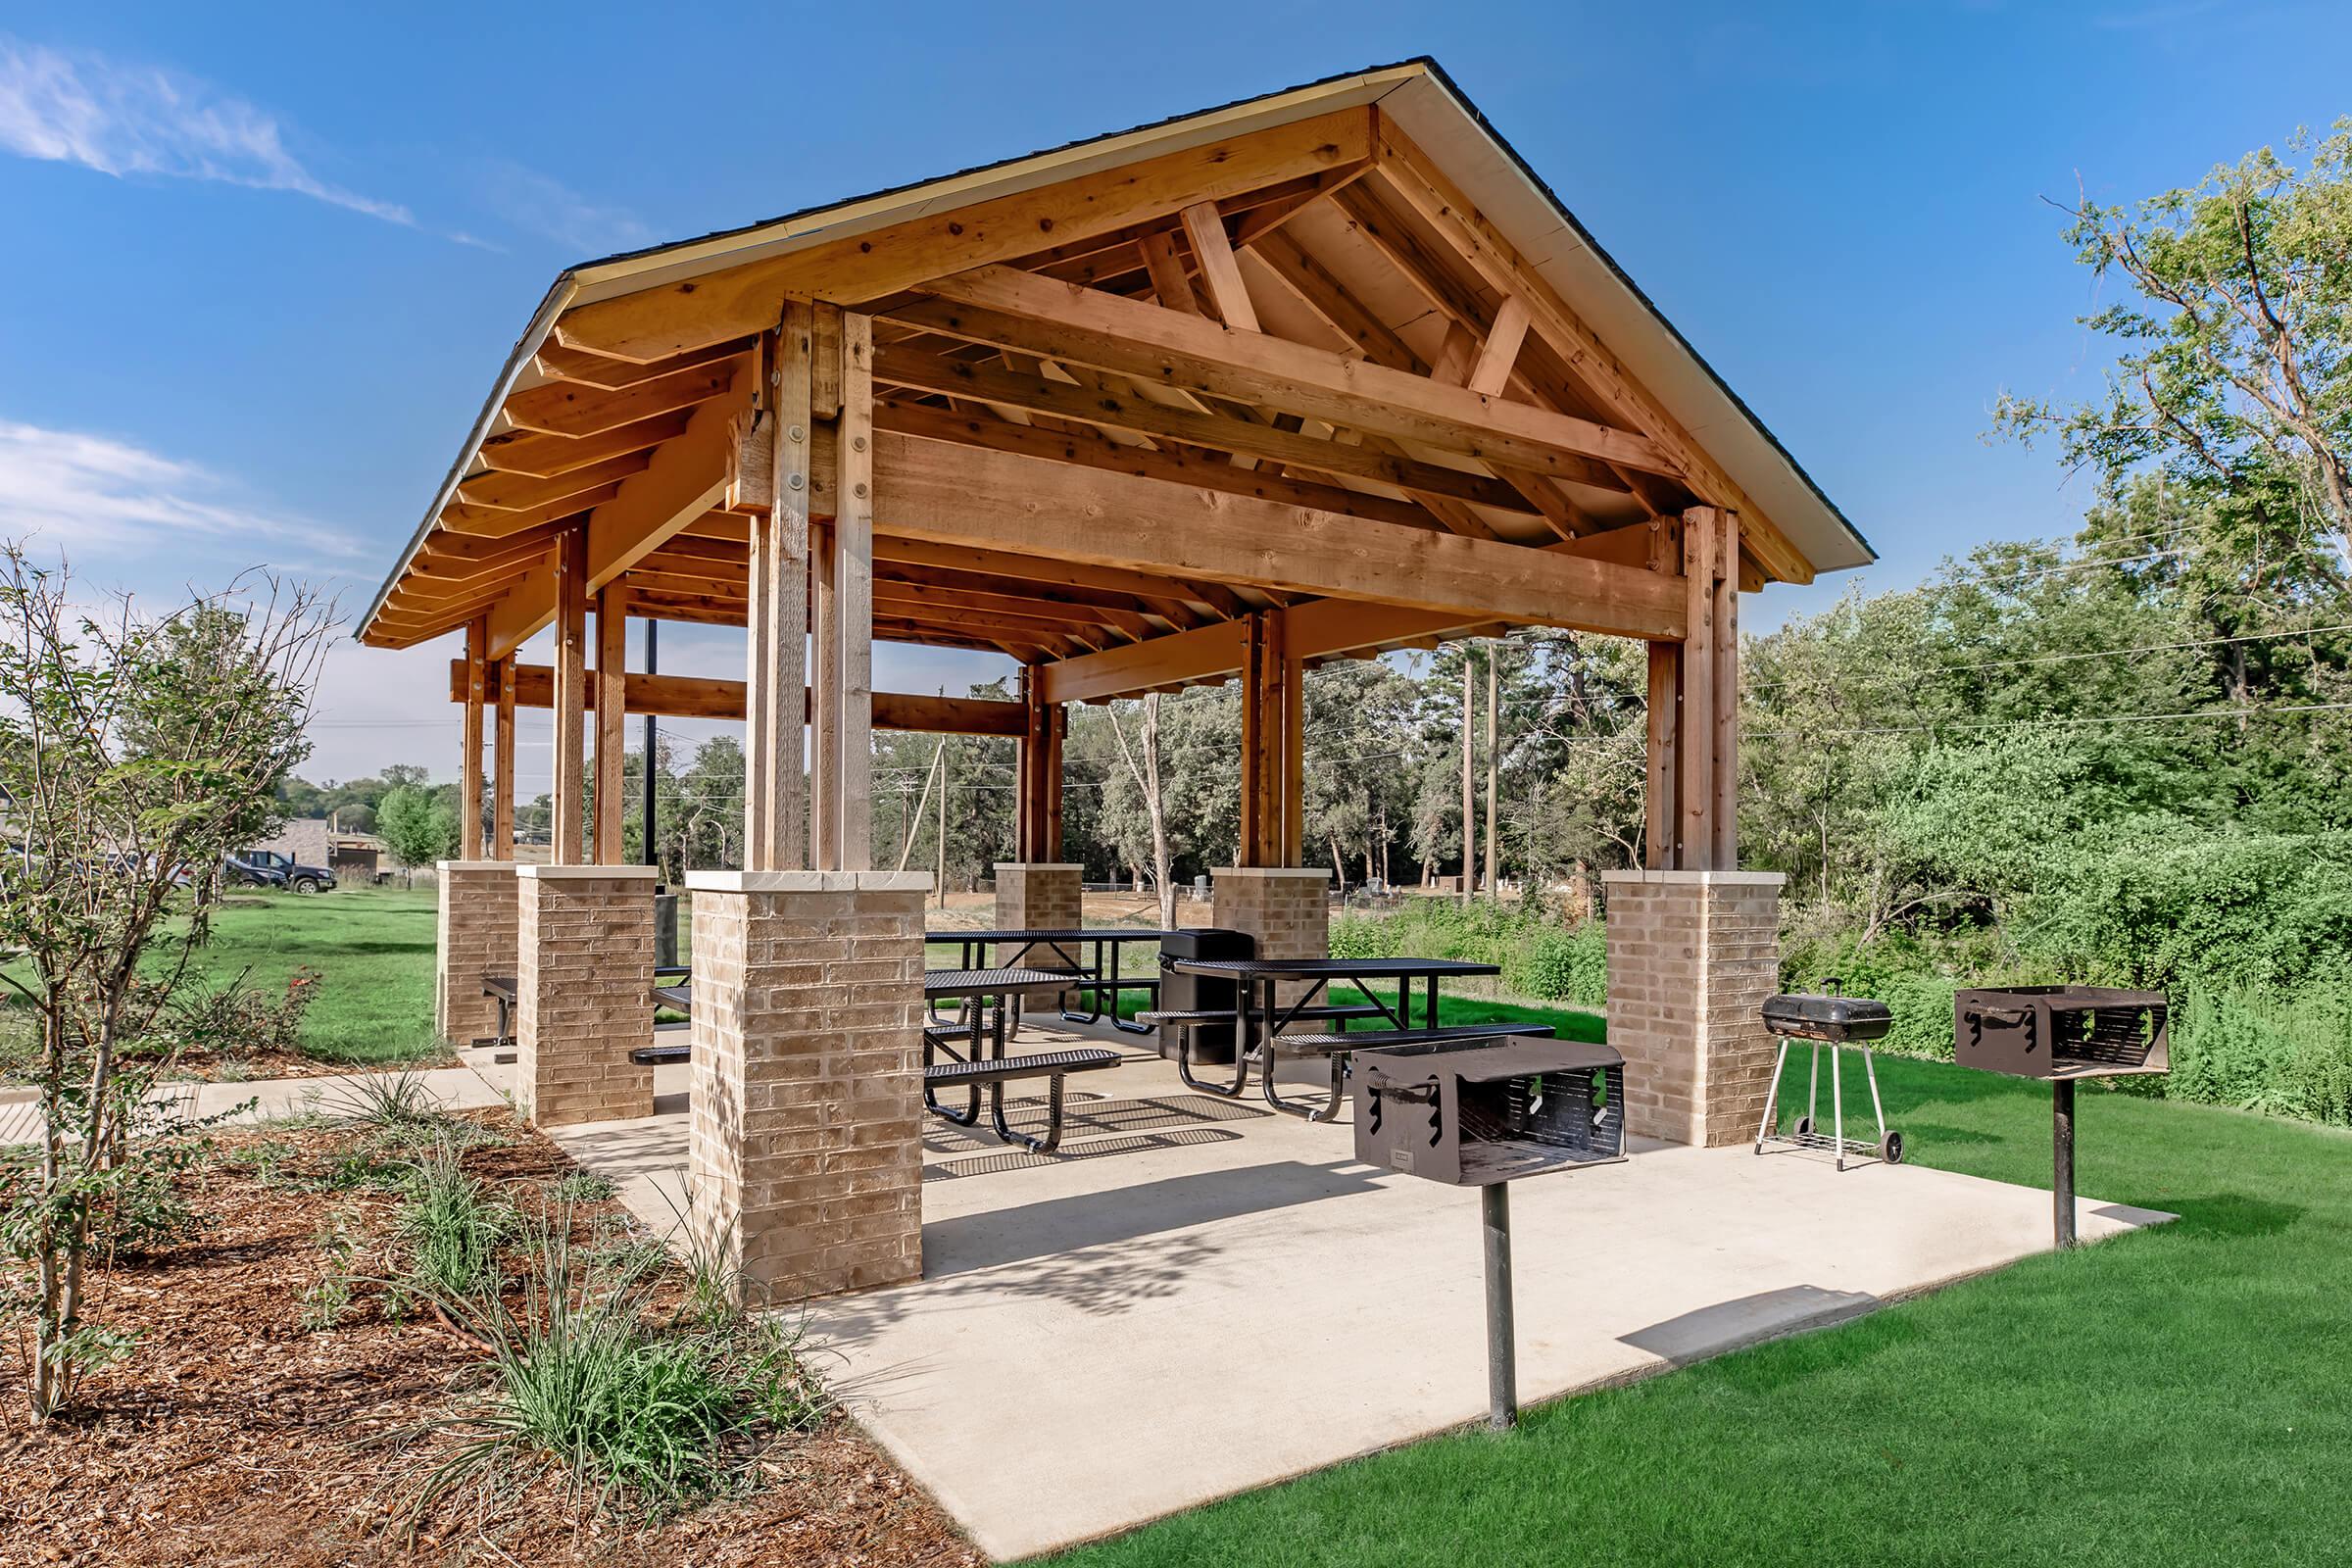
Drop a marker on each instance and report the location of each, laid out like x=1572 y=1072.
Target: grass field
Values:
x=2182 y=1394
x=372 y=949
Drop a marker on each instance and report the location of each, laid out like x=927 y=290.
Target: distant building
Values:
x=353 y=857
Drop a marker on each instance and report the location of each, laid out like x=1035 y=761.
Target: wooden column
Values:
x=774 y=817
x=1260 y=729
x=502 y=766
x=1058 y=729
x=841 y=790
x=572 y=691
x=1663 y=787
x=1291 y=848
x=1727 y=694
x=1028 y=805
x=1702 y=533
x=469 y=761
x=611 y=712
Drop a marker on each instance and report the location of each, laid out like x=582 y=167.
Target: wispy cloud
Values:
x=536 y=204
x=124 y=120
x=92 y=495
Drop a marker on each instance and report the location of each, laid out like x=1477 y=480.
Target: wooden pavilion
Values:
x=1309 y=376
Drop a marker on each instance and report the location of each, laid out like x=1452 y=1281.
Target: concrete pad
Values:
x=274 y=1098
x=1198 y=1297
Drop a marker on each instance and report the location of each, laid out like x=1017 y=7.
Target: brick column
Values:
x=476 y=939
x=804 y=1150
x=583 y=994
x=1287 y=907
x=1692 y=954
x=1040 y=896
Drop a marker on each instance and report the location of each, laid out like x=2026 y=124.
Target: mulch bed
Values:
x=231 y=1436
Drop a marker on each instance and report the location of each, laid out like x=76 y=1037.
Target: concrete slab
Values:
x=1198 y=1297
x=273 y=1099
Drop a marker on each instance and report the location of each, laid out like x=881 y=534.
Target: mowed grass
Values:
x=372 y=949
x=2182 y=1394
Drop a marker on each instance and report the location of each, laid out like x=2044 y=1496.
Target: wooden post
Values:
x=1026 y=774
x=1292 y=848
x=775 y=819
x=1726 y=738
x=1494 y=703
x=1662 y=788
x=1469 y=801
x=1250 y=851
x=824 y=701
x=853 y=594
x=1058 y=729
x=611 y=714
x=469 y=769
x=502 y=766
x=1702 y=535
x=572 y=691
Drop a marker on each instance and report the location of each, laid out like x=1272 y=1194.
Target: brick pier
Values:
x=583 y=994
x=805 y=1150
x=1040 y=896
x=476 y=939
x=1692 y=954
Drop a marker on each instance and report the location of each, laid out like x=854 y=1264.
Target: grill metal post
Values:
x=2062 y=1158
x=1502 y=1359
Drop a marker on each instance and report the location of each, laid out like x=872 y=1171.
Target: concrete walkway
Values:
x=461 y=1088
x=1198 y=1297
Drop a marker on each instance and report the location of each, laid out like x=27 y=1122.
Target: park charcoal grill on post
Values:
x=2060 y=1034
x=1481 y=1113
x=2061 y=1031
x=1473 y=1112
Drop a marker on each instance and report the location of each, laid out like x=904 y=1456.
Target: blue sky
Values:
x=262 y=265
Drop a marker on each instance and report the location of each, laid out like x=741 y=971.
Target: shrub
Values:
x=2287 y=1055
x=644 y=1413
x=1538 y=957
x=1556 y=966
x=450 y=1228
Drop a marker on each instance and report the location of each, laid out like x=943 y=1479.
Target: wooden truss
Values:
x=1226 y=413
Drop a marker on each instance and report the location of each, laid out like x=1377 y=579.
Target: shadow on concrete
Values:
x=1727 y=1325
x=1085 y=1220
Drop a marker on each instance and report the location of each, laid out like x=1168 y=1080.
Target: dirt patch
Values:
x=235 y=1435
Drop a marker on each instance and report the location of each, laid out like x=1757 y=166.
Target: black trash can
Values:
x=665 y=930
x=1194 y=993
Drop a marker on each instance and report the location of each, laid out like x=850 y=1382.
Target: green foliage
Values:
x=647 y=1415
x=2288 y=1055
x=450 y=1228
x=418 y=826
x=1538 y=957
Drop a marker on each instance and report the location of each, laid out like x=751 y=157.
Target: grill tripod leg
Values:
x=1837 y=1101
x=1772 y=1097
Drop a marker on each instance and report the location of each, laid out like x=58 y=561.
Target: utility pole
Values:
x=1469 y=800
x=939 y=890
x=1494 y=707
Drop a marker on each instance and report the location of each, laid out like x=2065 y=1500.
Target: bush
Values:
x=1556 y=966
x=2286 y=1055
x=1540 y=959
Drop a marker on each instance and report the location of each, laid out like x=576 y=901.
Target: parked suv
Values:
x=267 y=868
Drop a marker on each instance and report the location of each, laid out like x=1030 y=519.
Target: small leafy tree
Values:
x=134 y=753
x=416 y=826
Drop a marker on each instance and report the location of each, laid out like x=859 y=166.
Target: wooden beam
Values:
x=571 y=696
x=1492 y=372
x=869 y=263
x=842 y=746
x=564 y=407
x=612 y=710
x=1087 y=445
x=470 y=745
x=546 y=456
x=1105 y=404
x=1409 y=173
x=1003 y=501
x=1661 y=543
x=460 y=520
x=501 y=764
x=1171 y=285
x=517 y=492
x=702 y=697
x=1219 y=272
x=1169 y=348
x=681 y=483
x=1043 y=571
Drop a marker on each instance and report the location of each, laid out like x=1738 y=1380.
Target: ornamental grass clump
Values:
x=451 y=1228
x=643 y=1412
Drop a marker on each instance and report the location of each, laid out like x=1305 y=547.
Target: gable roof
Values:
x=1414 y=96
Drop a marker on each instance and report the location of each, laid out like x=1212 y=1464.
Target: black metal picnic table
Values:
x=1098 y=979
x=980 y=1065
x=1255 y=1027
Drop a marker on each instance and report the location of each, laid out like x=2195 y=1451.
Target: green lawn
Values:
x=2178 y=1396
x=372 y=949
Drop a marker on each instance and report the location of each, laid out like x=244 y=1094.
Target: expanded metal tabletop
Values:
x=1105 y=933
x=1332 y=969
x=944 y=983
x=1100 y=979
